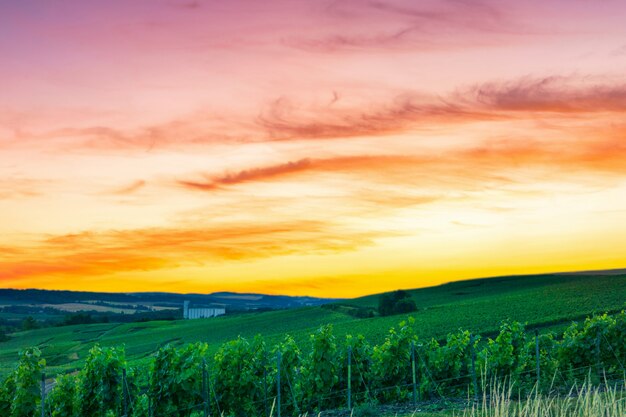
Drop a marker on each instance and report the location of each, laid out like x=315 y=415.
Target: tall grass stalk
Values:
x=584 y=401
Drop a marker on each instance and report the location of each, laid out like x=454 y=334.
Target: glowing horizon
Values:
x=327 y=148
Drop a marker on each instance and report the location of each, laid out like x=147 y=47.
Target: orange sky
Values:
x=328 y=148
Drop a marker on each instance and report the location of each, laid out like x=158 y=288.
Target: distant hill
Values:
x=85 y=301
x=543 y=302
x=584 y=285
x=239 y=300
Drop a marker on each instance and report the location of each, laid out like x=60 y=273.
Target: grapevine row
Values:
x=246 y=377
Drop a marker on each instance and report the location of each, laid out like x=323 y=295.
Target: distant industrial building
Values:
x=201 y=312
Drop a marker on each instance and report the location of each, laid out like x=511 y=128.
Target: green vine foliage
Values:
x=548 y=364
x=392 y=364
x=100 y=382
x=598 y=343
x=320 y=373
x=7 y=391
x=447 y=368
x=242 y=375
x=361 y=363
x=141 y=406
x=615 y=350
x=27 y=383
x=176 y=379
x=507 y=355
x=240 y=369
x=290 y=375
x=63 y=397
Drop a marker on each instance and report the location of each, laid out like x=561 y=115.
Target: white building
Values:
x=201 y=312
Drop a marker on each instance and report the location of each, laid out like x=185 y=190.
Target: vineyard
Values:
x=546 y=302
x=249 y=378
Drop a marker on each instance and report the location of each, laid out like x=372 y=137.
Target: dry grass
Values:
x=77 y=307
x=584 y=401
x=504 y=401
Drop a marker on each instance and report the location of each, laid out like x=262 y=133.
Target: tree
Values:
x=3 y=335
x=79 y=318
x=385 y=305
x=29 y=323
x=400 y=295
x=406 y=305
x=398 y=302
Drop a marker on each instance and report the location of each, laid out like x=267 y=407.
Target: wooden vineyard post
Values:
x=413 y=376
x=598 y=355
x=278 y=360
x=124 y=399
x=43 y=395
x=204 y=389
x=265 y=383
x=349 y=378
x=474 y=382
x=537 y=357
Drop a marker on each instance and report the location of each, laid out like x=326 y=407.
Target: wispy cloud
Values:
x=272 y=172
x=456 y=168
x=397 y=39
x=108 y=252
x=519 y=99
x=555 y=94
x=284 y=119
x=128 y=189
x=619 y=51
x=600 y=154
x=17 y=187
x=253 y=174
x=423 y=26
x=190 y=5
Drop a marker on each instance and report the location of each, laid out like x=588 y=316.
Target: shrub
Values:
x=176 y=379
x=62 y=398
x=447 y=368
x=361 y=354
x=290 y=375
x=391 y=363
x=100 y=382
x=7 y=391
x=27 y=379
x=240 y=369
x=320 y=373
x=595 y=344
x=507 y=355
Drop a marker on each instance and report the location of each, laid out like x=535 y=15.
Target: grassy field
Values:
x=505 y=401
x=480 y=305
x=542 y=301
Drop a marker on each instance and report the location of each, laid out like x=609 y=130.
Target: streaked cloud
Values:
x=128 y=189
x=364 y=26
x=346 y=164
x=284 y=120
x=18 y=187
x=305 y=146
x=556 y=94
x=100 y=253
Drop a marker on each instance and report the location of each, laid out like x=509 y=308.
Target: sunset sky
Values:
x=327 y=148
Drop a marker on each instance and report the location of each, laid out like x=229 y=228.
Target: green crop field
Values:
x=542 y=301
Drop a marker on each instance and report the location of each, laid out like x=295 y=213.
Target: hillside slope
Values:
x=478 y=305
x=230 y=300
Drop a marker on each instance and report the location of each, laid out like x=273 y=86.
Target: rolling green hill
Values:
x=478 y=305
